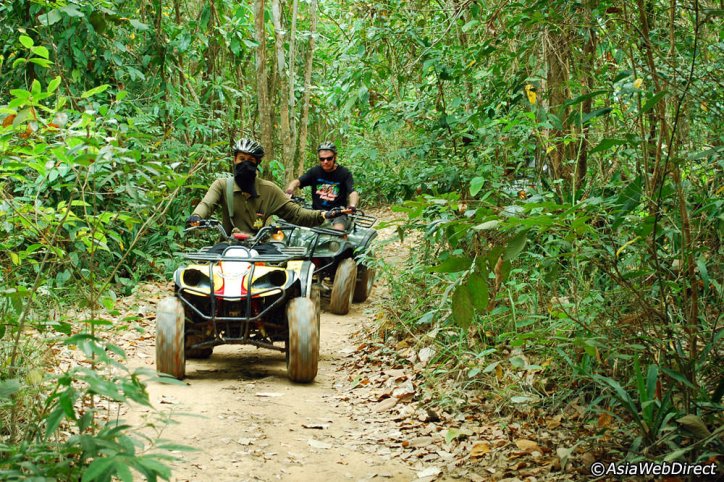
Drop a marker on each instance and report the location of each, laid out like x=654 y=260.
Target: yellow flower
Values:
x=638 y=83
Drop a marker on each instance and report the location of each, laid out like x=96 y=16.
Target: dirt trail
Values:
x=250 y=422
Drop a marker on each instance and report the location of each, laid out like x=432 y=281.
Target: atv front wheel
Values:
x=316 y=298
x=364 y=284
x=170 y=356
x=343 y=287
x=303 y=341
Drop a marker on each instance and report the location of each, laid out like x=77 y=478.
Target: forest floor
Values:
x=363 y=418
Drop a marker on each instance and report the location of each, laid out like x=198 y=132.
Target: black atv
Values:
x=341 y=262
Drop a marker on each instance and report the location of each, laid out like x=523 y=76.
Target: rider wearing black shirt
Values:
x=332 y=184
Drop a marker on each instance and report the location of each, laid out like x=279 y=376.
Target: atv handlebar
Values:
x=216 y=224
x=208 y=224
x=264 y=235
x=358 y=216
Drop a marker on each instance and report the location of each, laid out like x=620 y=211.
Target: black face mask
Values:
x=245 y=177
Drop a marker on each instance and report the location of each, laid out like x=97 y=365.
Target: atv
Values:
x=245 y=290
x=343 y=273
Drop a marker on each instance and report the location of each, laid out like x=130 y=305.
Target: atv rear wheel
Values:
x=343 y=287
x=170 y=356
x=364 y=284
x=303 y=342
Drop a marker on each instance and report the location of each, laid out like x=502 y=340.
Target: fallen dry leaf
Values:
x=604 y=420
x=386 y=404
x=421 y=442
x=564 y=454
x=588 y=459
x=425 y=355
x=406 y=390
x=479 y=449
x=555 y=422
x=527 y=445
x=396 y=374
x=429 y=472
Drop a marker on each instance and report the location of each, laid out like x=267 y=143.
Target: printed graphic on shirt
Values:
x=327 y=191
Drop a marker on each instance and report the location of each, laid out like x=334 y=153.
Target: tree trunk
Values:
x=659 y=126
x=589 y=52
x=292 y=80
x=557 y=57
x=161 y=51
x=262 y=80
x=285 y=133
x=304 y=122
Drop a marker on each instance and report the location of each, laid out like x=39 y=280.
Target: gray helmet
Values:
x=327 y=146
x=248 y=146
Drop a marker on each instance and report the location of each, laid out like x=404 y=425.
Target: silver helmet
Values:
x=327 y=146
x=248 y=146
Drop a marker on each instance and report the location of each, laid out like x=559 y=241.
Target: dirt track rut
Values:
x=250 y=422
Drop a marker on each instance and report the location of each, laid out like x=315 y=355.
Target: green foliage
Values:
x=584 y=265
x=79 y=194
x=559 y=161
x=95 y=450
x=561 y=180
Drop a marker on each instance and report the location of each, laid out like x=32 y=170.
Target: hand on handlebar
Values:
x=193 y=220
x=352 y=209
x=334 y=213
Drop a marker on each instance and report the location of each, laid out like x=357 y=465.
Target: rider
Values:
x=332 y=185
x=254 y=199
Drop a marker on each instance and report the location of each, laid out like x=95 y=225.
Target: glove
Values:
x=352 y=209
x=193 y=220
x=334 y=213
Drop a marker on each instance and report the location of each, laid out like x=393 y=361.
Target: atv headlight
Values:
x=198 y=280
x=194 y=277
x=271 y=279
x=330 y=246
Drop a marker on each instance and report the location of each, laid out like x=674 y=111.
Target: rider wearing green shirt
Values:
x=254 y=199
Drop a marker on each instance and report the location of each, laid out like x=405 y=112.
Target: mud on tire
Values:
x=364 y=284
x=343 y=287
x=302 y=345
x=170 y=353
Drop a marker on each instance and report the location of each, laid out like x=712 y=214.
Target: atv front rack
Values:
x=260 y=258
x=311 y=249
x=246 y=302
x=363 y=220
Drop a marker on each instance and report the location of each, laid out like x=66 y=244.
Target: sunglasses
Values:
x=326 y=158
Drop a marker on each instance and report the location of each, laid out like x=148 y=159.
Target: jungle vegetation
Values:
x=559 y=164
